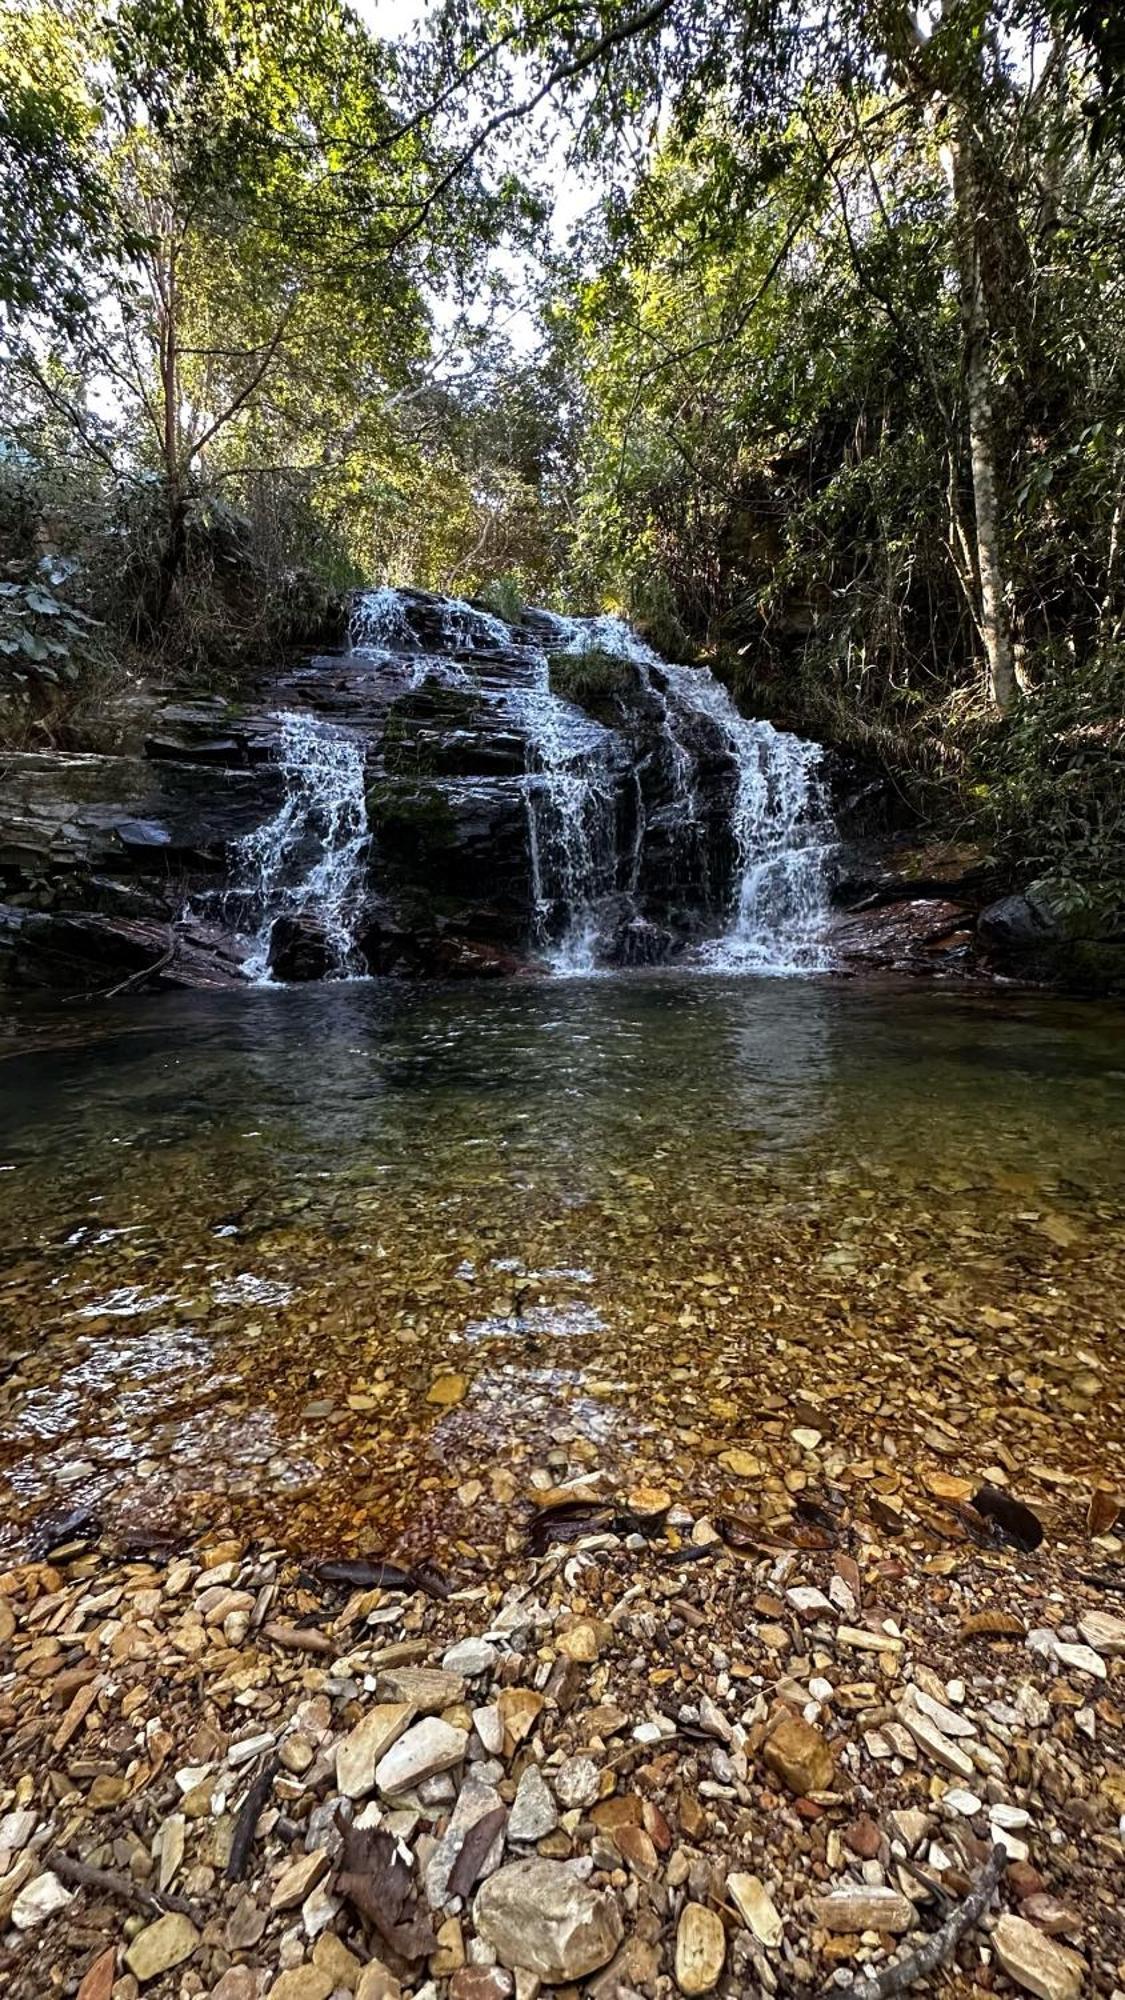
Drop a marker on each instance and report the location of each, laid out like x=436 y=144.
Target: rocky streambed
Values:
x=660 y=1758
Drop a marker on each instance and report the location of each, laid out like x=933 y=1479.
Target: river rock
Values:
x=540 y=1916
x=756 y=1907
x=576 y=1782
x=39 y=1900
x=363 y=1749
x=303 y=1982
x=429 y=1747
x=701 y=1949
x=1036 y=1962
x=161 y=1946
x=534 y=1812
x=475 y=1801
x=427 y=1689
x=853 y=1908
x=1101 y=1630
x=470 y=1658
x=801 y=1756
x=299 y=1880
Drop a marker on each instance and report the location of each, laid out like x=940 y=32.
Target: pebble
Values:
x=756 y=1907
x=1036 y=1962
x=534 y=1813
x=161 y=1946
x=299 y=1880
x=42 y=1898
x=868 y=1909
x=576 y=1782
x=799 y=1754
x=929 y=1738
x=701 y=1949
x=427 y=1748
x=471 y=1658
x=363 y=1748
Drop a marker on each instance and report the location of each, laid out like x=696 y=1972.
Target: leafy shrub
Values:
x=594 y=681
x=47 y=646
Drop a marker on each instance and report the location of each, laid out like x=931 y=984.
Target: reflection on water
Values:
x=240 y=1235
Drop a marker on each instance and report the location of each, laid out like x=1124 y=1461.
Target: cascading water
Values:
x=308 y=860
x=781 y=820
x=662 y=825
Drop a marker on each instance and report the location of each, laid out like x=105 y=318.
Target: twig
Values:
x=242 y=1840
x=940 y=1945
x=111 y=1884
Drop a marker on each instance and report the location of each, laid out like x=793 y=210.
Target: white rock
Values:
x=367 y=1744
x=541 y=1916
x=430 y=1746
x=756 y=1907
x=490 y=1728
x=39 y=1900
x=1010 y=1817
x=946 y=1719
x=577 y=1782
x=854 y=1909
x=1100 y=1629
x=249 y=1748
x=929 y=1738
x=16 y=1829
x=1036 y=1962
x=471 y=1658
x=964 y=1803
x=534 y=1812
x=807 y=1600
x=1082 y=1660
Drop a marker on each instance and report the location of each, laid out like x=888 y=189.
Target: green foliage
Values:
x=595 y=681
x=1049 y=793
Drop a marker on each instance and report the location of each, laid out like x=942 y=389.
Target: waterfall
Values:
x=663 y=825
x=781 y=821
x=308 y=860
x=571 y=819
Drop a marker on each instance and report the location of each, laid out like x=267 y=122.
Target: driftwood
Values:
x=111 y=1884
x=242 y=1840
x=940 y=1946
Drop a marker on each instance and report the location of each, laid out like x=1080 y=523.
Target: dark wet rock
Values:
x=86 y=952
x=924 y=935
x=874 y=873
x=299 y=949
x=1019 y=924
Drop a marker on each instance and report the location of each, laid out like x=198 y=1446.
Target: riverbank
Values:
x=668 y=1754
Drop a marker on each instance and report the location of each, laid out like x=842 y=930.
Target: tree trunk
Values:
x=994 y=622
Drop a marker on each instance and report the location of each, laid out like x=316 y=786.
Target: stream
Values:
x=349 y=1264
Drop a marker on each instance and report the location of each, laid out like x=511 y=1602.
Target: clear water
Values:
x=645 y=1217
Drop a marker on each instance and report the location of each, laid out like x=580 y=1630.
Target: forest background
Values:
x=795 y=332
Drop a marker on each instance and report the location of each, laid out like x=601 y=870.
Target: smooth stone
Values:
x=299 y=1880
x=1100 y=1629
x=539 y=1915
x=1036 y=1962
x=16 y=1829
x=856 y=1909
x=427 y=1748
x=534 y=1812
x=481 y=1982
x=377 y=1982
x=360 y=1752
x=304 y=1982
x=946 y=1719
x=471 y=1658
x=756 y=1907
x=1081 y=1660
x=701 y=1949
x=801 y=1756
x=161 y=1946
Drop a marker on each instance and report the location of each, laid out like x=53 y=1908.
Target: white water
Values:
x=309 y=858
x=782 y=824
